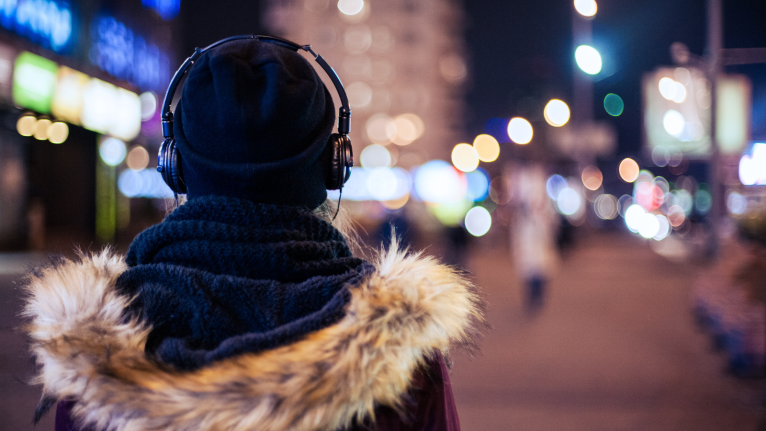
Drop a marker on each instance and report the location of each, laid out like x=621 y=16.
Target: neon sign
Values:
x=46 y=22
x=125 y=55
x=167 y=9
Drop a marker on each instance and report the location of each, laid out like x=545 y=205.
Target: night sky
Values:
x=520 y=52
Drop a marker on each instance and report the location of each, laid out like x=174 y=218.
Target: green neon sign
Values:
x=34 y=79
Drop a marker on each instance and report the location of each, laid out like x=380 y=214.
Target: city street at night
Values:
x=615 y=347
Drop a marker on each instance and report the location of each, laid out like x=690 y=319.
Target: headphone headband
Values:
x=344 y=112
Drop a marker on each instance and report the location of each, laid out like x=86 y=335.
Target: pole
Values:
x=715 y=48
x=582 y=114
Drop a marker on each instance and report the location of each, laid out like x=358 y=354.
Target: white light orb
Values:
x=668 y=88
x=568 y=201
x=588 y=59
x=649 y=226
x=350 y=7
x=673 y=122
x=408 y=128
x=148 y=105
x=634 y=216
x=375 y=156
x=520 y=131
x=478 y=221
x=586 y=8
x=438 y=182
x=736 y=203
x=112 y=151
x=664 y=228
x=27 y=125
x=465 y=158
x=556 y=113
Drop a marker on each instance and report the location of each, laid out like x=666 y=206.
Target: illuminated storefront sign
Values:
x=118 y=51
x=34 y=80
x=42 y=86
x=46 y=22
x=167 y=9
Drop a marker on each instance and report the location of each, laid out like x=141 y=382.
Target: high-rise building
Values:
x=402 y=63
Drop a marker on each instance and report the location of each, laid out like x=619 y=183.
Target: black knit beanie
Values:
x=253 y=123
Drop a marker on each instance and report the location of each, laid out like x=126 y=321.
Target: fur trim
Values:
x=88 y=351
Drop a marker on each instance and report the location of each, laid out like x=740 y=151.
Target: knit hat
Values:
x=253 y=123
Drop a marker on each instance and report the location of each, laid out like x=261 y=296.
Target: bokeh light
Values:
x=673 y=122
x=380 y=129
x=26 y=125
x=556 y=113
x=138 y=158
x=487 y=148
x=112 y=151
x=41 y=131
x=629 y=170
x=437 y=181
x=663 y=229
x=703 y=201
x=465 y=158
x=409 y=127
x=587 y=8
x=478 y=221
x=146 y=183
x=382 y=184
x=477 y=184
x=568 y=201
x=520 y=131
x=606 y=207
x=359 y=94
x=350 y=7
x=555 y=184
x=499 y=192
x=148 y=105
x=58 y=132
x=613 y=105
x=592 y=178
x=375 y=156
x=736 y=203
x=588 y=59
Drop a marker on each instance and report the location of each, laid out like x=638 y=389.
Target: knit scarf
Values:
x=222 y=276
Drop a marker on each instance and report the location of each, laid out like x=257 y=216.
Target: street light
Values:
x=587 y=8
x=588 y=59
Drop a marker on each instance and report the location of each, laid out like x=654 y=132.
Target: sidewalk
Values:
x=615 y=348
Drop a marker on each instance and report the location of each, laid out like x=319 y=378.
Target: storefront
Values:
x=78 y=93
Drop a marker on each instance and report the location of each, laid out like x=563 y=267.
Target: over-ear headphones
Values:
x=341 y=160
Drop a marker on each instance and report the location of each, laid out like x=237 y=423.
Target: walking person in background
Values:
x=245 y=308
x=532 y=230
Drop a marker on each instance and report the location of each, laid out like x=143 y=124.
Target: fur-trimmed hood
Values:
x=90 y=351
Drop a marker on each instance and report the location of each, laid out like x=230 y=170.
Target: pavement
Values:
x=615 y=347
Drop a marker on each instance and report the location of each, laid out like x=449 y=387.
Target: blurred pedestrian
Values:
x=533 y=230
x=245 y=308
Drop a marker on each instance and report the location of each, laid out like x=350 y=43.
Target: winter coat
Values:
x=379 y=367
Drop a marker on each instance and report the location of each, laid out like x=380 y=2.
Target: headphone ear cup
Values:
x=341 y=161
x=169 y=166
x=176 y=170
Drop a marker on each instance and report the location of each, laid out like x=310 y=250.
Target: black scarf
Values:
x=222 y=276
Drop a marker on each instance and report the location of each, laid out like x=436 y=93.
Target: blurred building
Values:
x=78 y=93
x=402 y=63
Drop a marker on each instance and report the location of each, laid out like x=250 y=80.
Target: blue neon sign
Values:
x=47 y=22
x=167 y=9
x=125 y=55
